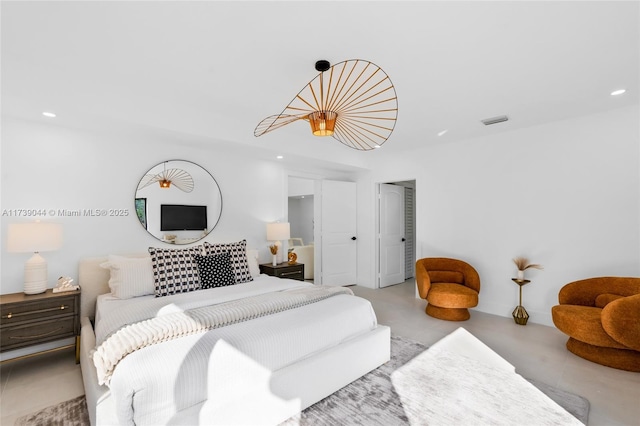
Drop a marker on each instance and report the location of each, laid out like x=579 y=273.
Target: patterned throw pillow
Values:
x=238 y=252
x=175 y=270
x=215 y=270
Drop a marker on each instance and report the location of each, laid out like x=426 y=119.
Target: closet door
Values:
x=392 y=237
x=409 y=233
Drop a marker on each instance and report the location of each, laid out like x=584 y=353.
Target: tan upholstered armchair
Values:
x=601 y=316
x=450 y=287
x=306 y=255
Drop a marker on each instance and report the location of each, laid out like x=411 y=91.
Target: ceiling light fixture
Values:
x=279 y=157
x=178 y=177
x=49 y=114
x=443 y=132
x=618 y=92
x=353 y=101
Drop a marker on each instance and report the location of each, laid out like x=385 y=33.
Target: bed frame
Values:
x=286 y=392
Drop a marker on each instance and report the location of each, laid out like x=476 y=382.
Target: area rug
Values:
x=370 y=400
x=69 y=413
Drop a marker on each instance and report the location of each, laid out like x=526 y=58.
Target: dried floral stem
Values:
x=274 y=249
x=522 y=263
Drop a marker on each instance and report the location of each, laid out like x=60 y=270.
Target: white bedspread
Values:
x=113 y=313
x=151 y=385
x=159 y=329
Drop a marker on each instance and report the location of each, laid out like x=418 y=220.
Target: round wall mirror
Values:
x=178 y=202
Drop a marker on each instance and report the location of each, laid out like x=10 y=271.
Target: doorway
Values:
x=396 y=232
x=301 y=217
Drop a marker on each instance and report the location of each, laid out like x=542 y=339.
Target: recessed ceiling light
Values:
x=48 y=114
x=279 y=157
x=618 y=92
x=443 y=132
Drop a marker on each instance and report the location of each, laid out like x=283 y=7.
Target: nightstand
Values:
x=284 y=270
x=28 y=320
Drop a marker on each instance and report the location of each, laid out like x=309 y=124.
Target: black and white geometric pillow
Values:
x=175 y=270
x=215 y=270
x=238 y=252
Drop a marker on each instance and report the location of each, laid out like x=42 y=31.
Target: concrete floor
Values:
x=537 y=352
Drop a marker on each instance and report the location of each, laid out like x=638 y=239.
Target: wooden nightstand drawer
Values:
x=284 y=270
x=32 y=319
x=291 y=274
x=42 y=309
x=37 y=332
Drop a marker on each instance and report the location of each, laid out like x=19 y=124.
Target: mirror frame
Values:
x=144 y=221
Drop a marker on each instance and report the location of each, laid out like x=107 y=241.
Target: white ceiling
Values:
x=208 y=72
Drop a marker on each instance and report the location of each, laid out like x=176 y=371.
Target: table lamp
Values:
x=277 y=232
x=34 y=237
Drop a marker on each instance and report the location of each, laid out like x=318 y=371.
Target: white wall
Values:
x=300 y=186
x=564 y=194
x=53 y=168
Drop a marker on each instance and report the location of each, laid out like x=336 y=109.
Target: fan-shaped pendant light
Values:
x=353 y=101
x=178 y=177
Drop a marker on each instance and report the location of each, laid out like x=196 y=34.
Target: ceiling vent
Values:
x=495 y=120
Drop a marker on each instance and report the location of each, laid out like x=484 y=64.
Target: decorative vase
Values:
x=274 y=260
x=520 y=275
x=292 y=258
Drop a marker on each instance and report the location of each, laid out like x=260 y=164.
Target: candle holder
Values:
x=520 y=315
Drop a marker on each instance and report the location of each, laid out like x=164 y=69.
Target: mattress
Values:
x=153 y=384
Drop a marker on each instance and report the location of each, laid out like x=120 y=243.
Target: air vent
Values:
x=495 y=120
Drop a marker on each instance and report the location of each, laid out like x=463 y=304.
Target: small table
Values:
x=28 y=320
x=520 y=315
x=284 y=270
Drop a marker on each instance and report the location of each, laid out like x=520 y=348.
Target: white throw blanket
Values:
x=167 y=327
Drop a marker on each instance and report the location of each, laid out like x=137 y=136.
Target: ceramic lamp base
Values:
x=35 y=275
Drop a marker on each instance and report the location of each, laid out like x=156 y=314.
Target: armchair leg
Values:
x=448 y=314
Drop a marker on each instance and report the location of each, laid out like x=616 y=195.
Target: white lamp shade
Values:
x=278 y=231
x=34 y=237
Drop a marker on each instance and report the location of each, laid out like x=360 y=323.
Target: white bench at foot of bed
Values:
x=273 y=399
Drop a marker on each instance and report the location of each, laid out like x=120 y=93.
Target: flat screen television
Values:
x=174 y=217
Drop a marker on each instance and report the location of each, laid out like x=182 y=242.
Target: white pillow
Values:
x=252 y=260
x=130 y=276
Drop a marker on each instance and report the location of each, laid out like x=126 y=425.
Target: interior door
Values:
x=338 y=233
x=392 y=238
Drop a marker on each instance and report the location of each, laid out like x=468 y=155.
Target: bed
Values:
x=256 y=371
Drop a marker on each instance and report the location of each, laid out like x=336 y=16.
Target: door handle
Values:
x=404 y=239
x=353 y=238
